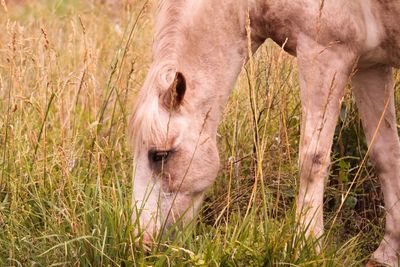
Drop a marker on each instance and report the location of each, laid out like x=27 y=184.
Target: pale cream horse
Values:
x=199 y=49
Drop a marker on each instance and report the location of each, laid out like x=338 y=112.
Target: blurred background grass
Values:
x=69 y=73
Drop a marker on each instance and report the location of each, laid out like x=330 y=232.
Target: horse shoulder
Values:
x=388 y=12
x=332 y=22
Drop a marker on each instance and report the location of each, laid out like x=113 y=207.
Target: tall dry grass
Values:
x=69 y=71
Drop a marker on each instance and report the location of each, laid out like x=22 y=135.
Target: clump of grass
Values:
x=69 y=71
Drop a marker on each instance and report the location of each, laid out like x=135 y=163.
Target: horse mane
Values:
x=146 y=119
x=168 y=27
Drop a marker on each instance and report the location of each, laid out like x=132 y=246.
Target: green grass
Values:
x=69 y=73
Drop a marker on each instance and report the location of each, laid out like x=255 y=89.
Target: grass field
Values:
x=69 y=73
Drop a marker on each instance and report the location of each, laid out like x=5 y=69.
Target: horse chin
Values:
x=179 y=213
x=183 y=208
x=146 y=238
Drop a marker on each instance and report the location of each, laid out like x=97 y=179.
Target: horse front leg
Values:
x=324 y=73
x=373 y=90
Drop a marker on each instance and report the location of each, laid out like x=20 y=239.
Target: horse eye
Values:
x=157 y=156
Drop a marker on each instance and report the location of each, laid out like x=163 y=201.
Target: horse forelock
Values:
x=148 y=125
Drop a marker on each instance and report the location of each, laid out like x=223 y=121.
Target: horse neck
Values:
x=206 y=41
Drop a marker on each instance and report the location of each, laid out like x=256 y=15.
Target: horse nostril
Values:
x=147 y=239
x=146 y=242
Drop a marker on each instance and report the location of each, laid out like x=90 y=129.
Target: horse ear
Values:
x=173 y=98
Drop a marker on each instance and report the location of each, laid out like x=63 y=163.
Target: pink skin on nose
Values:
x=147 y=239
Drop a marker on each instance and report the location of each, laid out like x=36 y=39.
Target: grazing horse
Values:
x=199 y=49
